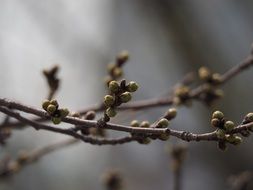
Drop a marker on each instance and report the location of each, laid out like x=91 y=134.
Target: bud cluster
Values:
x=224 y=129
x=115 y=69
x=161 y=123
x=52 y=108
x=181 y=95
x=119 y=93
x=211 y=80
x=208 y=76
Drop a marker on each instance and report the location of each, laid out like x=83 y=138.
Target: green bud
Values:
x=132 y=86
x=64 y=112
x=220 y=133
x=216 y=78
x=54 y=102
x=204 y=73
x=135 y=123
x=125 y=97
x=45 y=104
x=182 y=91
x=229 y=126
x=111 y=112
x=51 y=109
x=163 y=123
x=249 y=118
x=218 y=114
x=171 y=113
x=215 y=122
x=56 y=120
x=237 y=141
x=230 y=138
x=117 y=72
x=145 y=124
x=164 y=137
x=111 y=67
x=109 y=100
x=145 y=141
x=114 y=86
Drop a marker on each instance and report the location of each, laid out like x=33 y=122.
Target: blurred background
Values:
x=166 y=39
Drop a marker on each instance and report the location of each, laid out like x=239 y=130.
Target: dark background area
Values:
x=166 y=40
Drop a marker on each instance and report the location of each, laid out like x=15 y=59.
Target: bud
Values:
x=204 y=73
x=113 y=86
x=109 y=100
x=215 y=122
x=64 y=112
x=125 y=97
x=145 y=141
x=135 y=123
x=216 y=78
x=237 y=141
x=51 y=109
x=145 y=124
x=220 y=133
x=117 y=72
x=230 y=138
x=111 y=112
x=218 y=114
x=45 y=104
x=249 y=118
x=56 y=120
x=122 y=57
x=54 y=102
x=132 y=86
x=164 y=137
x=111 y=67
x=182 y=91
x=171 y=113
x=162 y=123
x=90 y=115
x=229 y=126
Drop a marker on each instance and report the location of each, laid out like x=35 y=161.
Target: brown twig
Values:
x=25 y=158
x=162 y=101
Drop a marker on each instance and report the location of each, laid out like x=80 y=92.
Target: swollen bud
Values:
x=45 y=104
x=54 y=102
x=204 y=73
x=132 y=86
x=135 y=123
x=56 y=120
x=109 y=100
x=64 y=112
x=51 y=109
x=111 y=112
x=113 y=86
x=220 y=133
x=125 y=97
x=215 y=122
x=162 y=123
x=171 y=113
x=218 y=115
x=145 y=124
x=229 y=126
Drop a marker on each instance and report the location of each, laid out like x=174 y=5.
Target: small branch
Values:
x=27 y=158
x=178 y=154
x=163 y=101
x=183 y=135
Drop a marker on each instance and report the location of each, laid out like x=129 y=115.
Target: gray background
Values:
x=166 y=39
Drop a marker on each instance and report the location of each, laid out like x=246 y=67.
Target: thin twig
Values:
x=162 y=101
